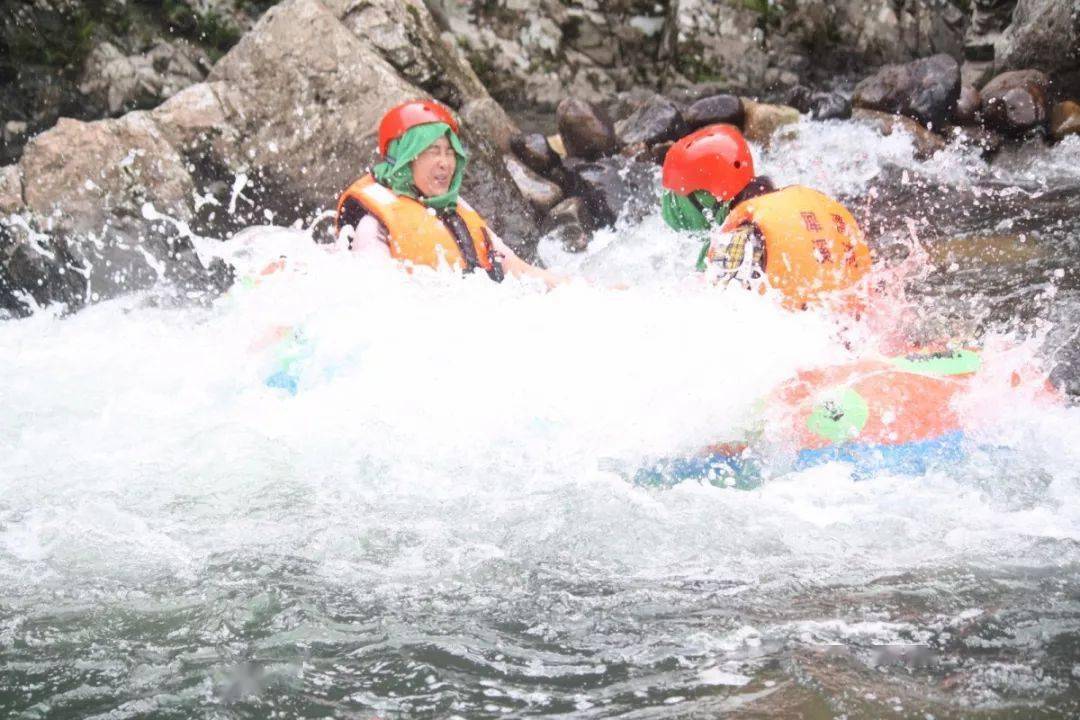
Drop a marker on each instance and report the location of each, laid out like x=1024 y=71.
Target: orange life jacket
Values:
x=812 y=243
x=417 y=235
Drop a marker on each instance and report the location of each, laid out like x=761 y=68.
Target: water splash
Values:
x=430 y=526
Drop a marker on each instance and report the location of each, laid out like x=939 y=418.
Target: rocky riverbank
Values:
x=170 y=132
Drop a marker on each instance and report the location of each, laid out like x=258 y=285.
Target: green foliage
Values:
x=61 y=36
x=495 y=10
x=209 y=29
x=769 y=10
x=481 y=63
x=692 y=66
x=58 y=40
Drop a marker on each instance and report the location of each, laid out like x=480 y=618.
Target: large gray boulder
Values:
x=925 y=89
x=119 y=82
x=84 y=175
x=407 y=36
x=103 y=204
x=1044 y=35
x=306 y=97
x=306 y=93
x=199 y=122
x=1015 y=102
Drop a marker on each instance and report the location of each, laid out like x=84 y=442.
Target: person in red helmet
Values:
x=796 y=240
x=408 y=206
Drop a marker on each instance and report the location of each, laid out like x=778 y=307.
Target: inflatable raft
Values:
x=895 y=415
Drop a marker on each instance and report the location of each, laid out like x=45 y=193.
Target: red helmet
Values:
x=715 y=158
x=401 y=117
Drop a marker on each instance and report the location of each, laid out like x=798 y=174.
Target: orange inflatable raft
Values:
x=884 y=414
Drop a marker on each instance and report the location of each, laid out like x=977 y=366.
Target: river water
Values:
x=438 y=523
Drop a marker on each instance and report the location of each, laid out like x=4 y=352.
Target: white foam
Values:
x=446 y=424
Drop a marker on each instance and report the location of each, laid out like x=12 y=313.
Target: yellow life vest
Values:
x=812 y=243
x=417 y=235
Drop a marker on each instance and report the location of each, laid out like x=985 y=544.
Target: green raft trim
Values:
x=839 y=417
x=946 y=362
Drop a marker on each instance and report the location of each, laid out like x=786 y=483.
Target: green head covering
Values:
x=396 y=171
x=682 y=213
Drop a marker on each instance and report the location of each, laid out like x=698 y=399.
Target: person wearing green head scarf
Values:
x=426 y=163
x=698 y=213
x=409 y=207
x=706 y=175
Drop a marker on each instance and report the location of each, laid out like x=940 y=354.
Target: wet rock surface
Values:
x=542 y=194
x=534 y=150
x=830 y=106
x=613 y=187
x=11 y=194
x=968 y=104
x=763 y=120
x=1065 y=119
x=41 y=266
x=84 y=175
x=1016 y=102
x=571 y=223
x=585 y=129
x=654 y=122
x=197 y=121
x=926 y=143
x=925 y=89
x=1041 y=34
x=715 y=109
x=36 y=272
x=96 y=196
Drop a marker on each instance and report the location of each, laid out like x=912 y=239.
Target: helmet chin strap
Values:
x=713 y=213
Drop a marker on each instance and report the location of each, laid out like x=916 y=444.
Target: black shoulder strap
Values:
x=496 y=271
x=352 y=212
x=463 y=239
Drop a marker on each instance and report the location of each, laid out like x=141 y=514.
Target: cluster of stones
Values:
x=278 y=126
x=537 y=53
x=595 y=170
x=584 y=177
x=929 y=98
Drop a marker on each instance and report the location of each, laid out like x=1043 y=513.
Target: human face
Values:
x=433 y=169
